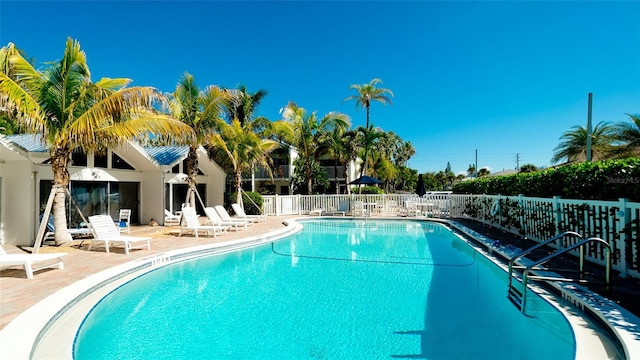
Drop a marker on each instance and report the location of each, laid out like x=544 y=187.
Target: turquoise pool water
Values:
x=340 y=289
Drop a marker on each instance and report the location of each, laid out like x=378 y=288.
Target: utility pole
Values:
x=517 y=161
x=589 y=130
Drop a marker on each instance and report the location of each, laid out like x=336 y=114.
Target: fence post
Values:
x=523 y=222
x=556 y=218
x=298 y=204
x=625 y=219
x=276 y=202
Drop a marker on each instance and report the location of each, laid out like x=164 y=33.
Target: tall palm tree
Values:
x=629 y=135
x=574 y=143
x=198 y=109
x=306 y=129
x=71 y=112
x=368 y=93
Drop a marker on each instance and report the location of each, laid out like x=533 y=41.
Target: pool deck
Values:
x=17 y=293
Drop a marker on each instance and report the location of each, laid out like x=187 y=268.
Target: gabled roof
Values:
x=167 y=155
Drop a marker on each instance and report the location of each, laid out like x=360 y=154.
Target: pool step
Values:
x=515 y=296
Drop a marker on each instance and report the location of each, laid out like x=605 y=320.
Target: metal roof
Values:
x=28 y=142
x=167 y=155
x=163 y=155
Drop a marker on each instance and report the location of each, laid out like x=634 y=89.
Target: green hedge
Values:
x=249 y=207
x=600 y=180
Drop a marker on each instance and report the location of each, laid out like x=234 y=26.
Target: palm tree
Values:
x=198 y=109
x=305 y=133
x=368 y=93
x=337 y=144
x=237 y=149
x=368 y=137
x=629 y=135
x=243 y=105
x=71 y=112
x=574 y=143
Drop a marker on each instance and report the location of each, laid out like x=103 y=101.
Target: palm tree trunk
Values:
x=335 y=176
x=59 y=166
x=238 y=183
x=192 y=174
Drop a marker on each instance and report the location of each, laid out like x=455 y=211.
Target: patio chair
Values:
x=192 y=224
x=31 y=262
x=359 y=209
x=242 y=215
x=105 y=232
x=170 y=219
x=343 y=208
x=224 y=215
x=215 y=219
x=124 y=220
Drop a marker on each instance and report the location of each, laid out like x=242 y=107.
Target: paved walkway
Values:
x=17 y=293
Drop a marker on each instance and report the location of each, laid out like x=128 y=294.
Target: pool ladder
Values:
x=518 y=296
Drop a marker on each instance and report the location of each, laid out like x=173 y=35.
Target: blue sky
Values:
x=505 y=78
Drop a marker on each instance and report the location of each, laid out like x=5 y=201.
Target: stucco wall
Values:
x=18 y=202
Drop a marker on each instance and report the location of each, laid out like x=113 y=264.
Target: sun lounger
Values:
x=170 y=219
x=105 y=232
x=31 y=262
x=215 y=219
x=192 y=224
x=316 y=212
x=224 y=215
x=242 y=215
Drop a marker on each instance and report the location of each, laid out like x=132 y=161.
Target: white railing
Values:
x=538 y=219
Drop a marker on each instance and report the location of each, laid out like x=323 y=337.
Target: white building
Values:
x=145 y=180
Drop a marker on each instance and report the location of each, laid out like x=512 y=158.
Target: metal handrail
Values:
x=525 y=274
x=531 y=249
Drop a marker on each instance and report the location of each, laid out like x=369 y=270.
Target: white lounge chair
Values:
x=105 y=232
x=242 y=215
x=215 y=219
x=31 y=262
x=224 y=215
x=192 y=224
x=170 y=219
x=316 y=212
x=124 y=220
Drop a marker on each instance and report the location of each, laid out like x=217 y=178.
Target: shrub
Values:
x=248 y=200
x=600 y=180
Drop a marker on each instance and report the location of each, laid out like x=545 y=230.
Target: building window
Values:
x=78 y=158
x=118 y=163
x=100 y=160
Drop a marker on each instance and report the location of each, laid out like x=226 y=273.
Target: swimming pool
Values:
x=340 y=289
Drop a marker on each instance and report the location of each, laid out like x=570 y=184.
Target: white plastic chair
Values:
x=124 y=220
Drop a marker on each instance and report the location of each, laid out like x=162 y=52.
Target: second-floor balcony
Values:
x=283 y=172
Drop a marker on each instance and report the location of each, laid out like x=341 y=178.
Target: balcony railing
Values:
x=282 y=172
